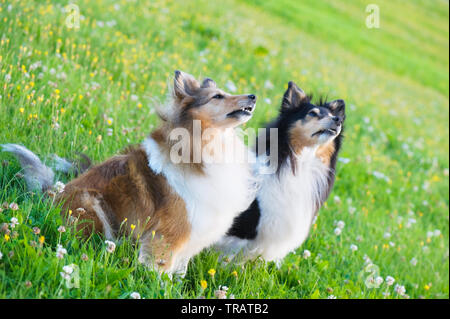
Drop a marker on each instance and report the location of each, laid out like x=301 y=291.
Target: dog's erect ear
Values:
x=337 y=107
x=208 y=83
x=185 y=85
x=293 y=97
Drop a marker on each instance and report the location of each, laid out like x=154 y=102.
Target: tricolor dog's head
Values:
x=206 y=102
x=308 y=124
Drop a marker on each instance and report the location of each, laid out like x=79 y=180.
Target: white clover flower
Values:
x=351 y=210
x=7 y=78
x=430 y=234
x=267 y=101
x=268 y=85
x=437 y=233
x=220 y=294
x=13 y=206
x=134 y=97
x=60 y=252
x=410 y=222
x=306 y=254
x=337 y=199
x=378 y=281
x=65 y=275
x=135 y=295
x=353 y=247
x=387 y=235
x=400 y=289
x=1 y=255
x=61 y=229
x=68 y=269
x=331 y=297
x=390 y=280
x=413 y=261
x=231 y=86
x=14 y=222
x=337 y=231
x=340 y=224
x=110 y=246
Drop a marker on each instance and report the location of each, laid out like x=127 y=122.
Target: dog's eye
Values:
x=312 y=113
x=218 y=96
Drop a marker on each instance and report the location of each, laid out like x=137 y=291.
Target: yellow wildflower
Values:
x=203 y=284
x=212 y=272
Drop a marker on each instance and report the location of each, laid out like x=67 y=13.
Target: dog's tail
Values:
x=36 y=174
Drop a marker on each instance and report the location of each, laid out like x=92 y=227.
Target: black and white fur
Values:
x=279 y=219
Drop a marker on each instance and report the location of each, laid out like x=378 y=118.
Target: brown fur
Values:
x=325 y=152
x=124 y=191
x=129 y=193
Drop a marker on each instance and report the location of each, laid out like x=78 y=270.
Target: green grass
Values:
x=395 y=82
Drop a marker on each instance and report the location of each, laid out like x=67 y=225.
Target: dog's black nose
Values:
x=252 y=97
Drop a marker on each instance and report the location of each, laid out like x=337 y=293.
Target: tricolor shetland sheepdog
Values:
x=287 y=202
x=177 y=208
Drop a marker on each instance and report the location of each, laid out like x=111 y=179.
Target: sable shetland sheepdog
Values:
x=178 y=209
x=279 y=220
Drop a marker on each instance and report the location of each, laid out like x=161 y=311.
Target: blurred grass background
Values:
x=93 y=90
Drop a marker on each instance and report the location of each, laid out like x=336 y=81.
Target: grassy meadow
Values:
x=93 y=90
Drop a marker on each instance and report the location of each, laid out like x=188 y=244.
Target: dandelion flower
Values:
x=212 y=272
x=59 y=186
x=203 y=284
x=234 y=273
x=110 y=246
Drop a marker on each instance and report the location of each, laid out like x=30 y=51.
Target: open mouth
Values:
x=328 y=131
x=244 y=111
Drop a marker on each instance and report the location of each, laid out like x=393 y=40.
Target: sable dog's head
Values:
x=308 y=124
x=209 y=104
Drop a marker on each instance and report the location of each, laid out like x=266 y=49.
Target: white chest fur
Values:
x=212 y=200
x=288 y=203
